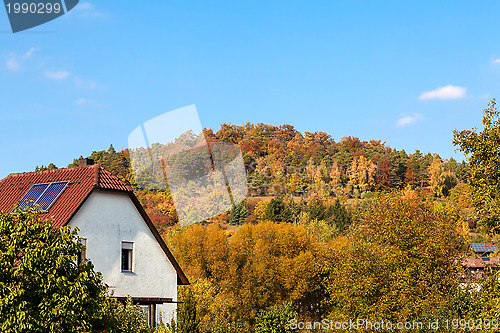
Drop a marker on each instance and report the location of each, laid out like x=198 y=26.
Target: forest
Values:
x=337 y=230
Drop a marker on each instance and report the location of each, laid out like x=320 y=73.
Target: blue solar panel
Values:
x=42 y=195
x=33 y=194
x=481 y=247
x=50 y=195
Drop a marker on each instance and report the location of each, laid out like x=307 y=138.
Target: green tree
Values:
x=276 y=210
x=48 y=167
x=338 y=215
x=42 y=288
x=238 y=214
x=316 y=209
x=276 y=319
x=188 y=321
x=483 y=151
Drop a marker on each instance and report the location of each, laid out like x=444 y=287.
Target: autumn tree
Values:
x=257 y=267
x=434 y=171
x=399 y=263
x=483 y=154
x=362 y=173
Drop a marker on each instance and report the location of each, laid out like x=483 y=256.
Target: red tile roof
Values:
x=82 y=180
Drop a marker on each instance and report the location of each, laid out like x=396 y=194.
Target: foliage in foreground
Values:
x=397 y=261
x=276 y=319
x=400 y=263
x=44 y=289
x=235 y=277
x=484 y=159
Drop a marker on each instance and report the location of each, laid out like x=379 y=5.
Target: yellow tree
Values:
x=362 y=173
x=400 y=263
x=335 y=175
x=434 y=171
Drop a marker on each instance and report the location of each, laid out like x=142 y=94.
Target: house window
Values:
x=149 y=314
x=145 y=311
x=127 y=248
x=83 y=254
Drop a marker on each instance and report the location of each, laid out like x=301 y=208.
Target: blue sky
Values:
x=405 y=73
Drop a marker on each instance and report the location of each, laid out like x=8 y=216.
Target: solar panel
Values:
x=42 y=195
x=480 y=247
x=51 y=194
x=32 y=195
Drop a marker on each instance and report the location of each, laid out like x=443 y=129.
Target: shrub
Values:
x=275 y=320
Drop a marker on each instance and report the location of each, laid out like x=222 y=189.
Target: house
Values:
x=118 y=235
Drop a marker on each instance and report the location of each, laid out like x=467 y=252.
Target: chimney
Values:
x=85 y=161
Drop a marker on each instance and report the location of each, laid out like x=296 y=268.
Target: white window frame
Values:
x=128 y=246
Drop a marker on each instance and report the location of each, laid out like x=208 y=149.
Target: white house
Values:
x=120 y=239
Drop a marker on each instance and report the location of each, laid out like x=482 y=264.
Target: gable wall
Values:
x=106 y=219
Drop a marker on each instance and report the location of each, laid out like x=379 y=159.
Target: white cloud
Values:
x=448 y=92
x=85 y=6
x=57 y=75
x=496 y=61
x=82 y=101
x=15 y=62
x=86 y=102
x=406 y=120
x=87 y=84
x=29 y=53
x=484 y=96
x=87 y=10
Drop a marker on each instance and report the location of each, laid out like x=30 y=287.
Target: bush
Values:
x=275 y=320
x=276 y=210
x=124 y=318
x=260 y=210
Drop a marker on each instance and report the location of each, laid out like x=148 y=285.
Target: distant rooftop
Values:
x=483 y=247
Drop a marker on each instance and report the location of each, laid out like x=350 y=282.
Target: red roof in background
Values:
x=82 y=180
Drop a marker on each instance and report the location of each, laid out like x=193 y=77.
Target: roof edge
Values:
x=181 y=277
